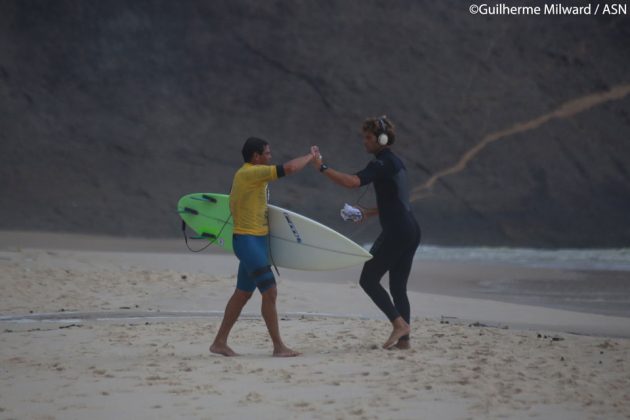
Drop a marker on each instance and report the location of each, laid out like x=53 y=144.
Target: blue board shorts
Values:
x=254 y=270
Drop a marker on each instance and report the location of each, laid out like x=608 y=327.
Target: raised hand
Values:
x=317 y=156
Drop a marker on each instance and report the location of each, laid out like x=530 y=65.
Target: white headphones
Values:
x=382 y=137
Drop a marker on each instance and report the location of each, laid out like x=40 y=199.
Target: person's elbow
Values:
x=352 y=181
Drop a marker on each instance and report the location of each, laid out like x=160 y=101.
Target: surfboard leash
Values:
x=212 y=238
x=367 y=188
x=269 y=242
x=186 y=240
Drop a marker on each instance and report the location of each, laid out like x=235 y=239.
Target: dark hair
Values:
x=374 y=125
x=253 y=145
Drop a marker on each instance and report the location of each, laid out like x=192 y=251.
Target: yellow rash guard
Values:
x=248 y=199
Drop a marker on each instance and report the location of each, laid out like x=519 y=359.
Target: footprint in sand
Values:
x=252 y=397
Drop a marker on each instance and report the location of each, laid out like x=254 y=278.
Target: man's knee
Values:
x=368 y=281
x=363 y=282
x=368 y=284
x=242 y=296
x=270 y=294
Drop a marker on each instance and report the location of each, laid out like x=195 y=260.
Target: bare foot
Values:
x=403 y=345
x=399 y=331
x=285 y=352
x=223 y=349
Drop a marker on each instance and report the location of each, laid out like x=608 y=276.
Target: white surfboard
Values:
x=301 y=243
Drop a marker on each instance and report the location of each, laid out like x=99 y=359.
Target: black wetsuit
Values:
x=396 y=246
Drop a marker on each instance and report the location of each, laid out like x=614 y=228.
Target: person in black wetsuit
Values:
x=395 y=247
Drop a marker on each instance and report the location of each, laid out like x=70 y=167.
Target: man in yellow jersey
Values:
x=248 y=204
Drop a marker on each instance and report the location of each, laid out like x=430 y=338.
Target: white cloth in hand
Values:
x=351 y=213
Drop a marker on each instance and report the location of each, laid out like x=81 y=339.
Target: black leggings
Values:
x=393 y=252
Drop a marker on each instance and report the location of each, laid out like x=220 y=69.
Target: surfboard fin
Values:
x=204 y=235
x=209 y=198
x=205 y=197
x=189 y=211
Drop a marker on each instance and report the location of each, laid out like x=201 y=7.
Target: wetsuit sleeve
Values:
x=376 y=169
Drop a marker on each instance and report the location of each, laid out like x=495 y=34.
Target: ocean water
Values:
x=585 y=280
x=572 y=259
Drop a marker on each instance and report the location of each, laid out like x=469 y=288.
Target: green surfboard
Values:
x=209 y=215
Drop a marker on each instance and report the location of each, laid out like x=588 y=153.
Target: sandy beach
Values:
x=102 y=328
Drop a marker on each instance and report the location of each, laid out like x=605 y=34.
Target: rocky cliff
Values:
x=515 y=129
